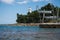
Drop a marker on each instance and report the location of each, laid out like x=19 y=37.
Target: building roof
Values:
x=45 y=11
x=51 y=17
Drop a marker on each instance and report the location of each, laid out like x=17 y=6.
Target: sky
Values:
x=10 y=8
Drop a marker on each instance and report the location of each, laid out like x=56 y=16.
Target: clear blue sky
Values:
x=9 y=8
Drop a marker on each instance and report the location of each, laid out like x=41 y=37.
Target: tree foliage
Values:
x=35 y=17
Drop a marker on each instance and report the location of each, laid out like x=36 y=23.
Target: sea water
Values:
x=28 y=33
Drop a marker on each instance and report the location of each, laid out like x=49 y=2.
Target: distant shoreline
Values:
x=21 y=24
x=29 y=24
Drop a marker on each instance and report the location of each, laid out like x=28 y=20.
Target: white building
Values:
x=30 y=9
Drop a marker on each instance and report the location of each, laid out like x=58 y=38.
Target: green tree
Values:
x=35 y=16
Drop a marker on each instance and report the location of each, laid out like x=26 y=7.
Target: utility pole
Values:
x=37 y=7
x=53 y=12
x=43 y=16
x=57 y=14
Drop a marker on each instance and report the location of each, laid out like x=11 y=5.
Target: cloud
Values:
x=7 y=1
x=35 y=0
x=23 y=2
x=41 y=0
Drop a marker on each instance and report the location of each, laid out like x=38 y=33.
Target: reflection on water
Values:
x=28 y=33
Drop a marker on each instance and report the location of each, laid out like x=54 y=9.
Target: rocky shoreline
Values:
x=41 y=25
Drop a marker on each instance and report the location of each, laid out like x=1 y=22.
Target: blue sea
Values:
x=28 y=33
